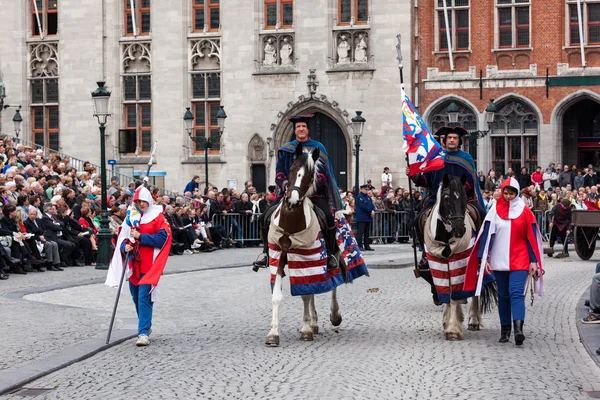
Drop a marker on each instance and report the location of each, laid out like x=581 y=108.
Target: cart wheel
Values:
x=585 y=242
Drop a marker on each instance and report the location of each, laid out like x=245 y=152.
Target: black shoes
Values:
x=504 y=333
x=369 y=249
x=332 y=263
x=55 y=268
x=519 y=336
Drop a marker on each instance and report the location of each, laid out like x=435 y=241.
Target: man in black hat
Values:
x=457 y=163
x=326 y=187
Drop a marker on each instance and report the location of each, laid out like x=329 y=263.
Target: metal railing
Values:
x=387 y=226
x=77 y=163
x=240 y=227
x=543 y=220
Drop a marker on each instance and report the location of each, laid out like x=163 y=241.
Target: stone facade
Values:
x=543 y=74
x=263 y=77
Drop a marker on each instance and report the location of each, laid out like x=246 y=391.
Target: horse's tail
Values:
x=488 y=297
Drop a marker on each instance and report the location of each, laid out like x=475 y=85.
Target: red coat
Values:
x=152 y=259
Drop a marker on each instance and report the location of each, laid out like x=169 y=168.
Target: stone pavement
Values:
x=67 y=331
x=210 y=327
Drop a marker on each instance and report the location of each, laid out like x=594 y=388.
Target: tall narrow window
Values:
x=278 y=14
x=458 y=21
x=206 y=93
x=138 y=113
x=574 y=25
x=44 y=15
x=590 y=24
x=513 y=23
x=138 y=17
x=593 y=23
x=207 y=15
x=44 y=112
x=357 y=9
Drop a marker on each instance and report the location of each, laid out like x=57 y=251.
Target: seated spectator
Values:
x=180 y=234
x=76 y=234
x=87 y=224
x=19 y=250
x=51 y=249
x=53 y=230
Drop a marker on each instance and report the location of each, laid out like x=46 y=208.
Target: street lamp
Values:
x=204 y=142
x=2 y=94
x=17 y=119
x=358 y=126
x=490 y=112
x=100 y=99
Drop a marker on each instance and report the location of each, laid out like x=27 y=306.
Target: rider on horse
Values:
x=457 y=163
x=326 y=188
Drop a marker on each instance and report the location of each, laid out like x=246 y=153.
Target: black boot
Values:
x=263 y=261
x=331 y=244
x=504 y=333
x=519 y=337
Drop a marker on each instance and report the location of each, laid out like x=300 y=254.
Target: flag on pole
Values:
x=423 y=151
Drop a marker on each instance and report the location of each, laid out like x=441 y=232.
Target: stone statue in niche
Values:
x=286 y=52
x=360 y=52
x=270 y=53
x=343 y=50
x=258 y=150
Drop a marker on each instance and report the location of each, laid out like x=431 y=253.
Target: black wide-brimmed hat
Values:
x=447 y=130
x=300 y=118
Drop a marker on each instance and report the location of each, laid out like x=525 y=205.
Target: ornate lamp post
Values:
x=205 y=143
x=490 y=112
x=358 y=126
x=17 y=119
x=100 y=98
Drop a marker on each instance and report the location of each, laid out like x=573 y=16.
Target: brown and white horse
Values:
x=295 y=240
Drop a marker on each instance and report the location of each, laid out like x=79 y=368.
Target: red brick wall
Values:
x=547 y=42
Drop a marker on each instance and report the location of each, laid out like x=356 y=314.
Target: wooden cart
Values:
x=585 y=232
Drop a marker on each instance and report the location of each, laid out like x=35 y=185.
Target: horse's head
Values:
x=303 y=177
x=453 y=204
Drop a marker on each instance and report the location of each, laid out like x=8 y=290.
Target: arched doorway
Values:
x=581 y=134
x=327 y=131
x=466 y=118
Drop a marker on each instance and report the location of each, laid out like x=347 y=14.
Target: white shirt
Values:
x=385 y=178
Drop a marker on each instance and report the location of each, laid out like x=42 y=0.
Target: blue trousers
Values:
x=511 y=295
x=143 y=306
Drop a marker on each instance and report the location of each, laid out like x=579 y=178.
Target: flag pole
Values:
x=414 y=232
x=128 y=254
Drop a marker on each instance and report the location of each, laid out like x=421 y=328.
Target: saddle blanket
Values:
x=308 y=266
x=449 y=275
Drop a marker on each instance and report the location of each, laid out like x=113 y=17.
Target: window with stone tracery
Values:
x=466 y=118
x=44 y=17
x=206 y=99
x=206 y=15
x=514 y=138
x=43 y=94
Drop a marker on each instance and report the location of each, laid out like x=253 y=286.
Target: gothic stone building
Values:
x=262 y=60
x=527 y=56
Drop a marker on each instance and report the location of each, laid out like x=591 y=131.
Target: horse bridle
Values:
x=449 y=219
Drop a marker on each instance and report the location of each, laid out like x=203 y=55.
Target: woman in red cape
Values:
x=510 y=246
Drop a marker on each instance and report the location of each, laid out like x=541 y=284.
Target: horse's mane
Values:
x=315 y=166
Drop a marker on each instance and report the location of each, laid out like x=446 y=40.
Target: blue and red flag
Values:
x=423 y=151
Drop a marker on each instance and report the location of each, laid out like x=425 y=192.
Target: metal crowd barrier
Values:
x=543 y=220
x=387 y=226
x=240 y=227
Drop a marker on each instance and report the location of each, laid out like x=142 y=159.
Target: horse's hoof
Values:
x=473 y=327
x=444 y=325
x=272 y=340
x=307 y=337
x=453 y=337
x=335 y=321
x=315 y=329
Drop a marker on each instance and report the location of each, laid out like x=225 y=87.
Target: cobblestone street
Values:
x=210 y=325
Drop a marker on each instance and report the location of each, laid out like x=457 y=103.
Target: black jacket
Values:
x=31 y=227
x=51 y=228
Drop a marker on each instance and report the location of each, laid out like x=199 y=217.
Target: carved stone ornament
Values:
x=43 y=59
x=277 y=50
x=352 y=47
x=322 y=102
x=256 y=149
x=137 y=57
x=205 y=52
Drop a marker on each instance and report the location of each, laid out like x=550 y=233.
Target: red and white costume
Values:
x=151 y=261
x=507 y=238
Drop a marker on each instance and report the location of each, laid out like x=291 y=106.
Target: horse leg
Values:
x=474 y=315
x=446 y=316
x=454 y=330
x=277 y=296
x=335 y=316
x=306 y=332
x=314 y=318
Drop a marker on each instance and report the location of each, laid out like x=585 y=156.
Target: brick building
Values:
x=524 y=54
x=263 y=60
